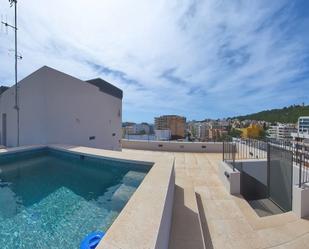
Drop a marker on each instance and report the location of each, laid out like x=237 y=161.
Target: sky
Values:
x=196 y=58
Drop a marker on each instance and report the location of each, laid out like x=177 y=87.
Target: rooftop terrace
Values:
x=205 y=215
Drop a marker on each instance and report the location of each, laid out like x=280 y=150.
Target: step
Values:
x=121 y=196
x=133 y=178
x=186 y=231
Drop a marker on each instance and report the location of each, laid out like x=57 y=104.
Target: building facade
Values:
x=203 y=132
x=142 y=128
x=176 y=124
x=281 y=131
x=163 y=135
x=56 y=108
x=302 y=133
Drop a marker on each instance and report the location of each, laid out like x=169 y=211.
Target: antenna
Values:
x=6 y=24
x=19 y=56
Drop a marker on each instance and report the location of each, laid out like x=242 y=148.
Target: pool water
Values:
x=53 y=199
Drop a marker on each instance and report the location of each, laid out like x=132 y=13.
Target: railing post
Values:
x=268 y=169
x=233 y=154
x=223 y=151
x=300 y=171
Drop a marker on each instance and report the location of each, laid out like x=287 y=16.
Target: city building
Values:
x=281 y=131
x=128 y=130
x=163 y=135
x=216 y=134
x=208 y=130
x=203 y=131
x=303 y=124
x=137 y=129
x=56 y=108
x=142 y=128
x=302 y=133
x=176 y=124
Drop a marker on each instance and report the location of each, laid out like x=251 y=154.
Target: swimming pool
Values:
x=53 y=199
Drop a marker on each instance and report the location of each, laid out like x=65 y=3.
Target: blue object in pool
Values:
x=91 y=240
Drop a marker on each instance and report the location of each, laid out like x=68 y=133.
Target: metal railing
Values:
x=229 y=153
x=152 y=137
x=301 y=159
x=145 y=137
x=242 y=149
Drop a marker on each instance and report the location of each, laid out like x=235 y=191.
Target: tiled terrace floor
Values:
x=228 y=221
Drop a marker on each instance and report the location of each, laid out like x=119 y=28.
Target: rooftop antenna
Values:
x=6 y=24
x=3 y=22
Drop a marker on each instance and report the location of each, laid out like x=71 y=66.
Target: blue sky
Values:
x=197 y=58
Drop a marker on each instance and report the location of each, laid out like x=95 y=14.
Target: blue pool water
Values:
x=52 y=199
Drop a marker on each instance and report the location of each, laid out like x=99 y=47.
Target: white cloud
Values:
x=197 y=58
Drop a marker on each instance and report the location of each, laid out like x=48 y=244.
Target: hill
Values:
x=285 y=115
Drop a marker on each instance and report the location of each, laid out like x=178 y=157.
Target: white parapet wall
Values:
x=300 y=203
x=210 y=147
x=230 y=178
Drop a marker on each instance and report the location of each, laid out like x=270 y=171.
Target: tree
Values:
x=235 y=133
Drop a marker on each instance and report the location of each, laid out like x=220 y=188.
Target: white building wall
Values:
x=56 y=108
x=163 y=134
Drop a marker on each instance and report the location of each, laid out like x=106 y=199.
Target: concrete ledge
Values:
x=229 y=178
x=210 y=147
x=146 y=219
x=300 y=204
x=166 y=221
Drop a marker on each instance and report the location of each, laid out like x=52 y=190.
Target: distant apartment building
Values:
x=281 y=131
x=176 y=124
x=142 y=128
x=302 y=132
x=221 y=124
x=208 y=130
x=216 y=134
x=303 y=125
x=203 y=131
x=198 y=130
x=128 y=130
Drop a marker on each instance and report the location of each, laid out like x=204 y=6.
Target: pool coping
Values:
x=145 y=220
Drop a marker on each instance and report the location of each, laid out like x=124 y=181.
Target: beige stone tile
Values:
x=298 y=243
x=106 y=244
x=231 y=229
x=213 y=193
x=200 y=173
x=190 y=160
x=277 y=236
x=240 y=243
x=212 y=181
x=221 y=209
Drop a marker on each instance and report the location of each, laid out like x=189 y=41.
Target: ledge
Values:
x=173 y=146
